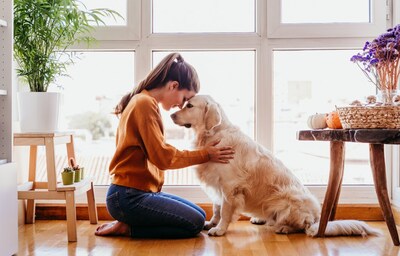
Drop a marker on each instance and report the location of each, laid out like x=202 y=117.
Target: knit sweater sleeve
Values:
x=160 y=153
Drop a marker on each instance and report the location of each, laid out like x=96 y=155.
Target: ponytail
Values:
x=171 y=68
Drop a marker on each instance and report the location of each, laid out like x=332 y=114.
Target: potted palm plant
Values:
x=43 y=30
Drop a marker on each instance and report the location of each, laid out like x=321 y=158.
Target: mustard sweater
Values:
x=142 y=154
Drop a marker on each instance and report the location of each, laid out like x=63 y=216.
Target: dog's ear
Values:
x=212 y=116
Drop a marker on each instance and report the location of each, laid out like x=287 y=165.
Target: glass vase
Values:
x=386 y=97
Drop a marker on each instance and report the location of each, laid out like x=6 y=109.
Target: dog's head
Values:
x=201 y=113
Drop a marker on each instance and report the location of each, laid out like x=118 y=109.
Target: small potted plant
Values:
x=68 y=176
x=78 y=170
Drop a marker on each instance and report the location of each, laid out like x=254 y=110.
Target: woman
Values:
x=134 y=197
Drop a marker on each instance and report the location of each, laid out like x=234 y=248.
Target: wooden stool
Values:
x=51 y=189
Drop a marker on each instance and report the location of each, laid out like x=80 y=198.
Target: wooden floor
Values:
x=49 y=237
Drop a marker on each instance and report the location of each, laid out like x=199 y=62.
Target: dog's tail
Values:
x=344 y=228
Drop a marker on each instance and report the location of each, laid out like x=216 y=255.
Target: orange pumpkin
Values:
x=333 y=121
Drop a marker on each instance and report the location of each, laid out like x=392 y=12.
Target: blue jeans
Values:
x=154 y=215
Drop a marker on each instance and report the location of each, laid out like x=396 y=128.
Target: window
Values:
x=116 y=5
x=194 y=16
x=308 y=18
x=97 y=82
x=323 y=11
x=125 y=28
x=269 y=67
x=303 y=87
x=100 y=89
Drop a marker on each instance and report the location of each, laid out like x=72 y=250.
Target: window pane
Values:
x=96 y=84
x=116 y=5
x=235 y=93
x=306 y=82
x=192 y=16
x=325 y=11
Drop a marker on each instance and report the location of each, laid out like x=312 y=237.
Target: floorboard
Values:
x=49 y=237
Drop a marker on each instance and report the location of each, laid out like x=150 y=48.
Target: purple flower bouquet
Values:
x=380 y=59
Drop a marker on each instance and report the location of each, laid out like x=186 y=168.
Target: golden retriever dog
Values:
x=254 y=183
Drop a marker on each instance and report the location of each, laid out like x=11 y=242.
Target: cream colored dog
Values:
x=254 y=183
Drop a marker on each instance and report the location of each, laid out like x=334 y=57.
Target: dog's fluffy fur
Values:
x=254 y=183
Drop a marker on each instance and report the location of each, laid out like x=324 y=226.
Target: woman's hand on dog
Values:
x=220 y=154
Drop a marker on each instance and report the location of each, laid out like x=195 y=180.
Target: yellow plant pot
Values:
x=68 y=177
x=77 y=175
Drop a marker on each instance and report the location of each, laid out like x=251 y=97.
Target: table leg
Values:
x=377 y=159
x=51 y=163
x=92 y=205
x=30 y=211
x=32 y=163
x=70 y=149
x=333 y=212
x=71 y=216
x=30 y=205
x=337 y=150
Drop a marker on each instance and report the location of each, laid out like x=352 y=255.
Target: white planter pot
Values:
x=39 y=111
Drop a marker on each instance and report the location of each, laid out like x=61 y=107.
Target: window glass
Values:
x=96 y=83
x=192 y=16
x=311 y=81
x=235 y=93
x=101 y=89
x=119 y=6
x=325 y=11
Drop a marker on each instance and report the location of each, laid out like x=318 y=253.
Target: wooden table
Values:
x=376 y=138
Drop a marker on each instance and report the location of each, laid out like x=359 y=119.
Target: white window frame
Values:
x=263 y=43
x=277 y=29
x=395 y=175
x=396 y=11
x=396 y=149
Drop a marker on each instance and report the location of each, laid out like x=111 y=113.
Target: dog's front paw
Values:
x=208 y=225
x=312 y=230
x=257 y=221
x=216 y=232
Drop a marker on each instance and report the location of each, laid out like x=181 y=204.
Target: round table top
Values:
x=372 y=136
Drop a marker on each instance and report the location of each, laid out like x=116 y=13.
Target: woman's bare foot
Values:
x=115 y=228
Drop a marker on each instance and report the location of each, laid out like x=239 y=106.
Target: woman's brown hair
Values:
x=171 y=68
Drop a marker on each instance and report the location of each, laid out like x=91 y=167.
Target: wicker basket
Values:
x=375 y=117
